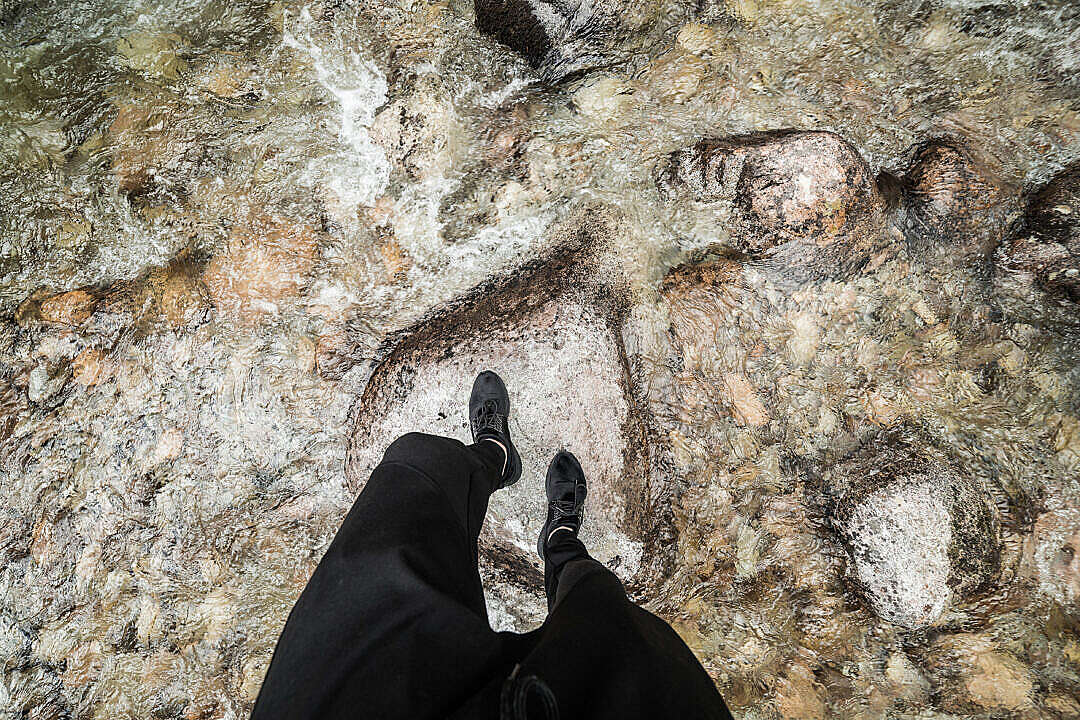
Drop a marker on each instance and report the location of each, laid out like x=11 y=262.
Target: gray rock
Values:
x=560 y=38
x=920 y=535
x=553 y=338
x=44 y=384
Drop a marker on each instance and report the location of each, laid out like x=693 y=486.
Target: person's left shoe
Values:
x=489 y=418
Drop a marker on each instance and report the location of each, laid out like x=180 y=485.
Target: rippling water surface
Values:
x=252 y=197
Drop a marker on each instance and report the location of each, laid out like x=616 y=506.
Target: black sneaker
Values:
x=489 y=411
x=566 y=491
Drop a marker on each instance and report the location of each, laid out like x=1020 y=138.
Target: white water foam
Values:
x=358 y=173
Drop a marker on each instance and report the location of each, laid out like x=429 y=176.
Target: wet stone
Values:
x=559 y=39
x=1045 y=246
x=70 y=308
x=805 y=200
x=417 y=131
x=706 y=303
x=920 y=535
x=335 y=354
x=91 y=367
x=1056 y=538
x=45 y=382
x=950 y=198
x=152 y=54
x=559 y=355
x=267 y=261
x=974 y=675
x=144 y=148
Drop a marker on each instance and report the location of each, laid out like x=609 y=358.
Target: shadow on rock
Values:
x=1044 y=247
x=559 y=39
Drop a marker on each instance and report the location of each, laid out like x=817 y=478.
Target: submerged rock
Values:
x=975 y=676
x=69 y=308
x=144 y=148
x=1045 y=245
x=153 y=54
x=418 y=131
x=705 y=302
x=267 y=261
x=948 y=197
x=806 y=200
x=920 y=535
x=1056 y=539
x=558 y=39
x=45 y=382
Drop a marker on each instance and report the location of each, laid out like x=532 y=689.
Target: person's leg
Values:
x=599 y=655
x=558 y=544
x=561 y=556
x=393 y=622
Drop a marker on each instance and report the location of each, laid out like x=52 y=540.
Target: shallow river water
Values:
x=244 y=244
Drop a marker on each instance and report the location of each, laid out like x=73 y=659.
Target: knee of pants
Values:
x=601 y=578
x=438 y=457
x=411 y=446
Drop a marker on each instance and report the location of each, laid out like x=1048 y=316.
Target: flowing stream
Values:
x=214 y=217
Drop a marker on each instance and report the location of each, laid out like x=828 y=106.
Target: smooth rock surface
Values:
x=556 y=346
x=920 y=535
x=805 y=200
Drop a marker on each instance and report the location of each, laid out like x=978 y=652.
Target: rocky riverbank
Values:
x=812 y=333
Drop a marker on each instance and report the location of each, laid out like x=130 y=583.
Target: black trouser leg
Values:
x=563 y=549
x=601 y=656
x=393 y=623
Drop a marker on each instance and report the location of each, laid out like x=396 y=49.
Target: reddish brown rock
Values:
x=807 y=199
x=948 y=197
x=69 y=308
x=267 y=260
x=1045 y=247
x=177 y=293
x=396 y=260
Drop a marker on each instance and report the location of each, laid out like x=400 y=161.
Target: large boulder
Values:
x=806 y=200
x=921 y=536
x=559 y=39
x=948 y=197
x=554 y=339
x=1045 y=246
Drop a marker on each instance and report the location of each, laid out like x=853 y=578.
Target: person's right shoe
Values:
x=566 y=491
x=489 y=419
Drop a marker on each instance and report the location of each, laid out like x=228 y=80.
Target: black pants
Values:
x=393 y=622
